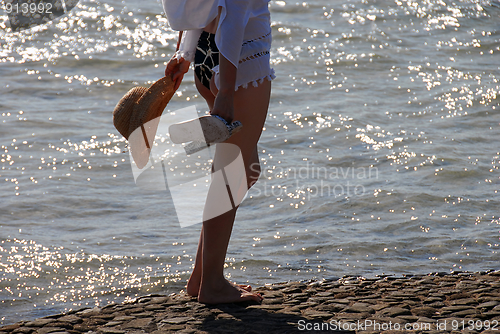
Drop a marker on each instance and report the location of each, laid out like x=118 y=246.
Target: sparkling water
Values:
x=380 y=153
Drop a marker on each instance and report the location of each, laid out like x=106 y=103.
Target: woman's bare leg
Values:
x=193 y=284
x=205 y=92
x=250 y=107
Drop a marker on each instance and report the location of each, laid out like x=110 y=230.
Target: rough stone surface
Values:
x=437 y=303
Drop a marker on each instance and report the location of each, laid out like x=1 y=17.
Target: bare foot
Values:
x=193 y=286
x=226 y=293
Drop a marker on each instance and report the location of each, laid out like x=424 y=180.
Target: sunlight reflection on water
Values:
x=380 y=152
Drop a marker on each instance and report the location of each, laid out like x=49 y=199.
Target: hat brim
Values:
x=142 y=128
x=124 y=109
x=140 y=105
x=152 y=103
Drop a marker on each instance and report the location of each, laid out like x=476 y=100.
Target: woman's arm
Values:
x=177 y=67
x=224 y=99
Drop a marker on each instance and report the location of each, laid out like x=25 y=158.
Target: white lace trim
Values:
x=187 y=55
x=271 y=76
x=256 y=39
x=256 y=83
x=187 y=46
x=254 y=56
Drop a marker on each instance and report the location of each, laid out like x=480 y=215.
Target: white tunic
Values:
x=243 y=34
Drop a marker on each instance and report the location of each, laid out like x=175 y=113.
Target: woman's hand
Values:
x=224 y=105
x=177 y=68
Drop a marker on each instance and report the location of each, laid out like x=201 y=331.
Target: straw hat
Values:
x=141 y=105
x=136 y=108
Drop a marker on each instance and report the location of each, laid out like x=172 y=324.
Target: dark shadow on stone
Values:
x=250 y=318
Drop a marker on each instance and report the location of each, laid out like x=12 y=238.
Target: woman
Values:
x=234 y=44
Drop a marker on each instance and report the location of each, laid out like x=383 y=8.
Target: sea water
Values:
x=380 y=153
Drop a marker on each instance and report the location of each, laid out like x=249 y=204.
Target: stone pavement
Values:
x=435 y=303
